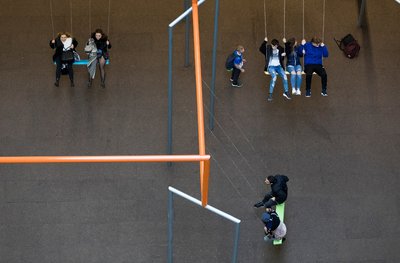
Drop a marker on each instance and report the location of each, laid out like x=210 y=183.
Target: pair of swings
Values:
x=81 y=61
x=284 y=26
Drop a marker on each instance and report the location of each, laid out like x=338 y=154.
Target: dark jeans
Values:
x=59 y=66
x=235 y=75
x=268 y=202
x=320 y=70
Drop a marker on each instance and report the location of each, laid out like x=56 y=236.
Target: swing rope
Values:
x=70 y=12
x=51 y=17
x=90 y=17
x=284 y=18
x=109 y=14
x=265 y=21
x=303 y=20
x=323 y=21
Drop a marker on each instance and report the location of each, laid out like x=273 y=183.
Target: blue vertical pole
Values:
x=236 y=245
x=170 y=225
x=214 y=56
x=169 y=150
x=187 y=31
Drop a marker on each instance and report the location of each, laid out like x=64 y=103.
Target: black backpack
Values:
x=349 y=46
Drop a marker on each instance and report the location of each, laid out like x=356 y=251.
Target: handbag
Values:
x=76 y=56
x=67 y=56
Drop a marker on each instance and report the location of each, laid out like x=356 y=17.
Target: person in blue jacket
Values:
x=293 y=65
x=237 y=68
x=313 y=52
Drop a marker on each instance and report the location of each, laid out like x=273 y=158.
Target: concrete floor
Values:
x=341 y=152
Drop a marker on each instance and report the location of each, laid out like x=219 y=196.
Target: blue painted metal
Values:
x=187 y=31
x=85 y=61
x=214 y=57
x=169 y=150
x=170 y=225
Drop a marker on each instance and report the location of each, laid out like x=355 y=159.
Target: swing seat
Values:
x=85 y=61
x=280 y=210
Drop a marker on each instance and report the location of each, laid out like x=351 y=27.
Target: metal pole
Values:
x=187 y=31
x=212 y=91
x=169 y=150
x=362 y=12
x=236 y=244
x=170 y=225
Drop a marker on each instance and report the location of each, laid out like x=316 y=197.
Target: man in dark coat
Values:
x=278 y=193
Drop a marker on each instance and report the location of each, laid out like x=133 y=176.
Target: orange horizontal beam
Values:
x=104 y=159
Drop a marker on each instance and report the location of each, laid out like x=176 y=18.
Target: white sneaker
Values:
x=298 y=92
x=293 y=91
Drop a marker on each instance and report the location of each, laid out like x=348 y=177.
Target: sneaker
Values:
x=308 y=93
x=293 y=91
x=298 y=92
x=57 y=83
x=269 y=97
x=237 y=85
x=259 y=204
x=286 y=95
x=324 y=94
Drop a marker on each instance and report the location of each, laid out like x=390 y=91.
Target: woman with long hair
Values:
x=62 y=44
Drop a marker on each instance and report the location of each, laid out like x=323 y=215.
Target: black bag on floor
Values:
x=349 y=46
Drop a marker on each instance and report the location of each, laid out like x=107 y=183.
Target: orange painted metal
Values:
x=199 y=99
x=104 y=159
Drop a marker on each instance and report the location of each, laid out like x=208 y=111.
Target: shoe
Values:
x=324 y=94
x=308 y=93
x=298 y=92
x=72 y=83
x=89 y=83
x=286 y=95
x=259 y=204
x=57 y=83
x=269 y=97
x=293 y=91
x=237 y=85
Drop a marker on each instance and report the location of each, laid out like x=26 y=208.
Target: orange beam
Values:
x=104 y=159
x=199 y=100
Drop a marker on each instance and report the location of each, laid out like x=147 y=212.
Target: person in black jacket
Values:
x=102 y=44
x=274 y=55
x=278 y=193
x=64 y=42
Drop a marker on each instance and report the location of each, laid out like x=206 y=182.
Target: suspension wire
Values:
x=323 y=21
x=303 y=20
x=51 y=17
x=265 y=21
x=90 y=17
x=109 y=14
x=70 y=11
x=284 y=18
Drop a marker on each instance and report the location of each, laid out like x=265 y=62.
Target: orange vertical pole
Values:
x=199 y=99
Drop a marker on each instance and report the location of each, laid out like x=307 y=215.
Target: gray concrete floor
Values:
x=341 y=152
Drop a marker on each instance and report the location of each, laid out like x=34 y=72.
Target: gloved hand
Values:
x=303 y=42
x=284 y=40
x=283 y=54
x=266 y=39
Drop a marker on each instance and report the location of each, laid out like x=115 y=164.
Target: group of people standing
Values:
x=313 y=52
x=65 y=55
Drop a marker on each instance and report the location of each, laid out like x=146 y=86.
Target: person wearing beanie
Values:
x=278 y=193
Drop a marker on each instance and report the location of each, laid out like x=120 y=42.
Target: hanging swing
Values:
x=81 y=61
x=284 y=27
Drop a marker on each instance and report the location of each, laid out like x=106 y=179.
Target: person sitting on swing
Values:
x=274 y=55
x=63 y=43
x=99 y=42
x=293 y=64
x=313 y=52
